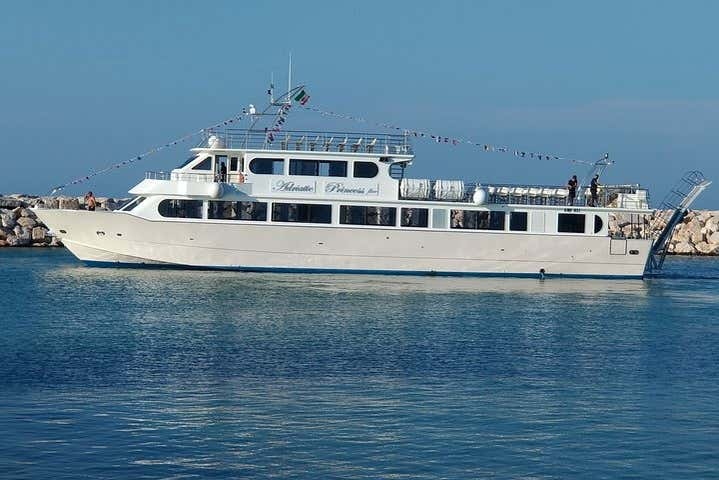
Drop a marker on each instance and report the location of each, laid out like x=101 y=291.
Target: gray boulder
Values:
x=26 y=222
x=38 y=234
x=7 y=220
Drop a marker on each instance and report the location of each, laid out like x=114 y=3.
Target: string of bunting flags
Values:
x=151 y=151
x=448 y=140
x=302 y=98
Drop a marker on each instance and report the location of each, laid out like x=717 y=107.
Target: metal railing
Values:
x=608 y=195
x=312 y=141
x=181 y=176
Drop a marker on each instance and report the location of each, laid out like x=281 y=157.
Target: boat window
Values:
x=206 y=164
x=415 y=217
x=439 y=218
x=365 y=170
x=570 y=223
x=477 y=220
x=598 y=224
x=255 y=211
x=186 y=162
x=180 y=208
x=132 y=204
x=301 y=212
x=363 y=215
x=518 y=221
x=267 y=166
x=237 y=164
x=321 y=168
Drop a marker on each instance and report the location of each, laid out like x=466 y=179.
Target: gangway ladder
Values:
x=673 y=209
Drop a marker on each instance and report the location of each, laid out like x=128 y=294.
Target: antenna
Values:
x=271 y=91
x=289 y=79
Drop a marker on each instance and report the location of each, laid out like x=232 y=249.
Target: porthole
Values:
x=633 y=252
x=63 y=231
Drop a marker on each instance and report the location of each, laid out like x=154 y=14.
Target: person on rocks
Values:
x=572 y=188
x=594 y=190
x=90 y=201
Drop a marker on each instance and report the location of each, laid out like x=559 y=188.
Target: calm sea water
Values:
x=123 y=373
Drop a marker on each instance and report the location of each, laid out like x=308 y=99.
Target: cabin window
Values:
x=365 y=170
x=206 y=164
x=570 y=223
x=301 y=213
x=439 y=218
x=132 y=204
x=254 y=211
x=598 y=224
x=237 y=164
x=321 y=168
x=363 y=215
x=177 y=208
x=187 y=162
x=477 y=220
x=518 y=221
x=415 y=217
x=267 y=166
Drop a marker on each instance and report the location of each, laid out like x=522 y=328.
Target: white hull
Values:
x=122 y=238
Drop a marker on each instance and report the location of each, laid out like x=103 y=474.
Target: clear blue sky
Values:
x=86 y=84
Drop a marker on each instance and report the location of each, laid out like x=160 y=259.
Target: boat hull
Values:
x=120 y=238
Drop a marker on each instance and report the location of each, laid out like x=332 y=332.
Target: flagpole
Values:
x=289 y=79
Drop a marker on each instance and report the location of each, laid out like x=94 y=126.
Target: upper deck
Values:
x=310 y=141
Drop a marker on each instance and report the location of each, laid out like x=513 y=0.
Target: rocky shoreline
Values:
x=20 y=227
x=697 y=234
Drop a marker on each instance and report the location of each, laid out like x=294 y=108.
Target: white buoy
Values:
x=216 y=190
x=480 y=196
x=215 y=142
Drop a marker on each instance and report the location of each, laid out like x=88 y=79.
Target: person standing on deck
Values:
x=594 y=190
x=90 y=201
x=572 y=188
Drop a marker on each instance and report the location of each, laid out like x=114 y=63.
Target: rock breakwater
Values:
x=20 y=227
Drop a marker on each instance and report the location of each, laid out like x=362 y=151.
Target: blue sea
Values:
x=170 y=374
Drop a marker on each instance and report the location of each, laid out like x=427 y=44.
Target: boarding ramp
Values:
x=672 y=211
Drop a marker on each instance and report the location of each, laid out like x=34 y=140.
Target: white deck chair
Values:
x=342 y=144
x=356 y=145
x=370 y=145
x=328 y=144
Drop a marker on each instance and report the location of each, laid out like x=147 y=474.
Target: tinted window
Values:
x=267 y=166
x=362 y=215
x=477 y=220
x=186 y=162
x=518 y=221
x=415 y=217
x=365 y=170
x=320 y=168
x=206 y=164
x=301 y=212
x=180 y=208
x=570 y=223
x=256 y=211
x=598 y=224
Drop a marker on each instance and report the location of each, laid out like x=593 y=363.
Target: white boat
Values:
x=342 y=202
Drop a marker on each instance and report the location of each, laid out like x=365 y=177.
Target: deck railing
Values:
x=310 y=140
x=621 y=196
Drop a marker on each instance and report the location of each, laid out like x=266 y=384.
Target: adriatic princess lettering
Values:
x=289 y=186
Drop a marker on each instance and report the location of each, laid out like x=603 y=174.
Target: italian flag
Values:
x=302 y=97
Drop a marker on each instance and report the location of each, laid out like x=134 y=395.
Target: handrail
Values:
x=312 y=140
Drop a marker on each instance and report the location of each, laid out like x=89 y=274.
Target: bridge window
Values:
x=321 y=168
x=518 y=221
x=363 y=215
x=477 y=220
x=267 y=166
x=206 y=164
x=255 y=211
x=365 y=170
x=415 y=217
x=301 y=213
x=176 y=208
x=570 y=223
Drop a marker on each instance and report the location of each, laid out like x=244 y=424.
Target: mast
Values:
x=289 y=79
